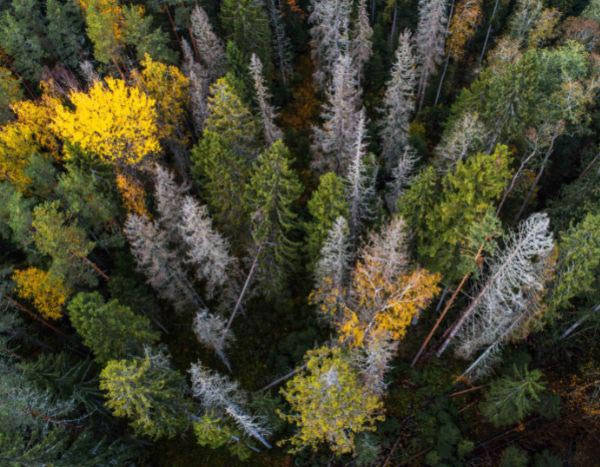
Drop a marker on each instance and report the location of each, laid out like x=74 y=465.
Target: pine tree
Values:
x=361 y=193
x=333 y=143
x=271 y=193
x=329 y=402
x=326 y=205
x=148 y=392
x=219 y=394
x=65 y=31
x=509 y=296
x=210 y=48
x=271 y=131
x=112 y=331
x=399 y=102
x=430 y=38
x=361 y=47
x=511 y=398
x=104 y=23
x=330 y=37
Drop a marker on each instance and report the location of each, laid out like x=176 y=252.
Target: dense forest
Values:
x=299 y=233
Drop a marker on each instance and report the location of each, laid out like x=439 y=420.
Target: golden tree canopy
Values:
x=114 y=121
x=45 y=290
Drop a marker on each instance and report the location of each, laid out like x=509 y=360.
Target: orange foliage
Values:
x=133 y=195
x=463 y=26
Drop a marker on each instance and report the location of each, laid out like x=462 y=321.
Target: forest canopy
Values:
x=299 y=232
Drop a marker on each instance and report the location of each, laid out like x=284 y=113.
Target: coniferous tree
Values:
x=209 y=47
x=361 y=47
x=110 y=329
x=149 y=392
x=138 y=32
x=65 y=31
x=281 y=41
x=332 y=269
x=399 y=102
x=333 y=143
x=10 y=91
x=430 y=38
x=326 y=205
x=467 y=136
x=271 y=131
x=330 y=37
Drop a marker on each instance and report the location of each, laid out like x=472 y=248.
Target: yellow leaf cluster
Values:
x=169 y=87
x=110 y=9
x=37 y=116
x=17 y=143
x=46 y=291
x=463 y=26
x=132 y=194
x=330 y=403
x=385 y=304
x=114 y=121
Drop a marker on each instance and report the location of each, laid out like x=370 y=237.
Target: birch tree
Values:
x=330 y=34
x=219 y=394
x=398 y=102
x=271 y=131
x=333 y=143
x=508 y=298
x=431 y=35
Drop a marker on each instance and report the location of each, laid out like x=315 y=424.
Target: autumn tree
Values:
x=329 y=402
x=111 y=330
x=148 y=392
x=463 y=27
x=326 y=204
x=116 y=122
x=45 y=290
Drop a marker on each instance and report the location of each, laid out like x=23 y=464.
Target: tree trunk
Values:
x=489 y=30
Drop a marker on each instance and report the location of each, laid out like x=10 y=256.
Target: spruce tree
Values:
x=65 y=31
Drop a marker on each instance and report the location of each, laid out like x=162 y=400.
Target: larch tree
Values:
x=360 y=180
x=268 y=115
x=207 y=44
x=508 y=298
x=398 y=102
x=361 y=46
x=332 y=144
x=149 y=392
x=330 y=36
x=329 y=402
x=219 y=395
x=463 y=27
x=430 y=39
x=327 y=203
x=116 y=122
x=111 y=330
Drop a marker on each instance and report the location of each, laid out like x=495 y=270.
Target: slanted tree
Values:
x=430 y=38
x=222 y=397
x=271 y=131
x=116 y=122
x=272 y=191
x=231 y=119
x=333 y=143
x=511 y=398
x=246 y=23
x=329 y=402
x=209 y=47
x=326 y=205
x=398 y=102
x=111 y=330
x=330 y=36
x=508 y=298
x=222 y=175
x=149 y=392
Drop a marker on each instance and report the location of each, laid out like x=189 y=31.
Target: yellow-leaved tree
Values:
x=113 y=121
x=133 y=195
x=45 y=290
x=169 y=87
x=330 y=402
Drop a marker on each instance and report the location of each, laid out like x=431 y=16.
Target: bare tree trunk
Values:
x=513 y=182
x=12 y=302
x=489 y=30
x=441 y=83
x=394 y=24
x=95 y=267
x=283 y=378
